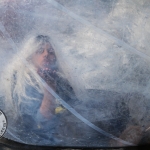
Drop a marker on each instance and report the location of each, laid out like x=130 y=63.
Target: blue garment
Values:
x=30 y=102
x=30 y=105
x=30 y=109
x=32 y=127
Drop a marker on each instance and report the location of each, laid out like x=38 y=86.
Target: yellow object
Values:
x=59 y=110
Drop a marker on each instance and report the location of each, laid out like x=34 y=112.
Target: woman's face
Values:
x=40 y=58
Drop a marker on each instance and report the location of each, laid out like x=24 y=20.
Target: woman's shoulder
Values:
x=65 y=91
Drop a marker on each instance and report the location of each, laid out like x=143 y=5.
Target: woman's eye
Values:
x=50 y=50
x=40 y=51
x=51 y=53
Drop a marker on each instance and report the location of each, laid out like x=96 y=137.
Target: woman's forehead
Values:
x=47 y=47
x=44 y=45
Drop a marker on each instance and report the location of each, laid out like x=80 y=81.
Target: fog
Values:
x=102 y=47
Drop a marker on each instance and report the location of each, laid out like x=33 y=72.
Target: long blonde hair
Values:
x=19 y=72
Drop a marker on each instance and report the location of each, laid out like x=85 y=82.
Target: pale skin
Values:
x=47 y=107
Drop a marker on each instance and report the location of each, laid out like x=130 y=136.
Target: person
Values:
x=32 y=107
x=37 y=117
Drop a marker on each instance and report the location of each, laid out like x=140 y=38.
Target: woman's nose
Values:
x=45 y=53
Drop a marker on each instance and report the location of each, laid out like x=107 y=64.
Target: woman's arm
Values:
x=47 y=107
